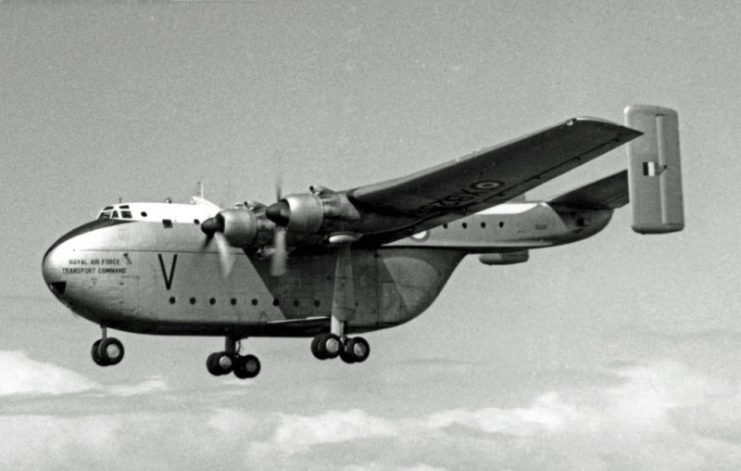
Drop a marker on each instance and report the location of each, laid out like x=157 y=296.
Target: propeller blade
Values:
x=278 y=259
x=278 y=188
x=280 y=214
x=226 y=259
x=278 y=176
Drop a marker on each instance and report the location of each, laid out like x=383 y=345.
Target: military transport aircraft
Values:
x=333 y=264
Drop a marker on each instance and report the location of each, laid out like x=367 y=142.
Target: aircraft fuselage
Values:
x=153 y=271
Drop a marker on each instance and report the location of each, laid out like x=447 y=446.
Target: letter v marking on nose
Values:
x=168 y=279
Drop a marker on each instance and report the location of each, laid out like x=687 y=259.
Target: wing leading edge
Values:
x=488 y=177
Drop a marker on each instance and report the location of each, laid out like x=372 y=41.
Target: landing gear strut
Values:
x=335 y=343
x=230 y=361
x=107 y=351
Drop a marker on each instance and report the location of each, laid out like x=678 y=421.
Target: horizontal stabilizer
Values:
x=654 y=170
x=609 y=193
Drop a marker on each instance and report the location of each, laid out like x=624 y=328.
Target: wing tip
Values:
x=625 y=133
x=593 y=119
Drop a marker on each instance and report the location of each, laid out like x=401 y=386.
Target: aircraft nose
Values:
x=51 y=268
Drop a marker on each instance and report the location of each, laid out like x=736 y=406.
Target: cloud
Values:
x=659 y=415
x=379 y=467
x=148 y=386
x=649 y=418
x=547 y=414
x=21 y=375
x=48 y=442
x=296 y=433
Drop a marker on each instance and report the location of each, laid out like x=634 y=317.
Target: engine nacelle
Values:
x=310 y=213
x=241 y=227
x=306 y=213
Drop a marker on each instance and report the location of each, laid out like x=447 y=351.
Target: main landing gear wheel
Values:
x=107 y=351
x=230 y=361
x=352 y=350
x=219 y=363
x=355 y=350
x=247 y=366
x=326 y=346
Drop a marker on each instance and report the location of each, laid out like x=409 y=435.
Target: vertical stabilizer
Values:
x=654 y=170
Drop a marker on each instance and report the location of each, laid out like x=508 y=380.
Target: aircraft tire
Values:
x=318 y=354
x=329 y=345
x=216 y=366
x=111 y=351
x=95 y=353
x=211 y=364
x=346 y=354
x=357 y=348
x=221 y=358
x=247 y=366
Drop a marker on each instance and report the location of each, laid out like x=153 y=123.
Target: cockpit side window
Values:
x=126 y=214
x=114 y=215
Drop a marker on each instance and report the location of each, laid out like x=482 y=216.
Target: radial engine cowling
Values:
x=309 y=213
x=240 y=227
x=306 y=213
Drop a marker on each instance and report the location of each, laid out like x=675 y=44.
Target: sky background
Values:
x=620 y=352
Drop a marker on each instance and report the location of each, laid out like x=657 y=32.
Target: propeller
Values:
x=213 y=227
x=280 y=214
x=279 y=258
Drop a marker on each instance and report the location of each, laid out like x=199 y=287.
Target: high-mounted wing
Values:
x=486 y=178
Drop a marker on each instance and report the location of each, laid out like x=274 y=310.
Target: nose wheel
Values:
x=107 y=351
x=230 y=361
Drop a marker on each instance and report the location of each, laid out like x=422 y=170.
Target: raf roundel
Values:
x=487 y=185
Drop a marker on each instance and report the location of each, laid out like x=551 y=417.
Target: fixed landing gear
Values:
x=355 y=350
x=107 y=351
x=326 y=346
x=350 y=350
x=230 y=361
